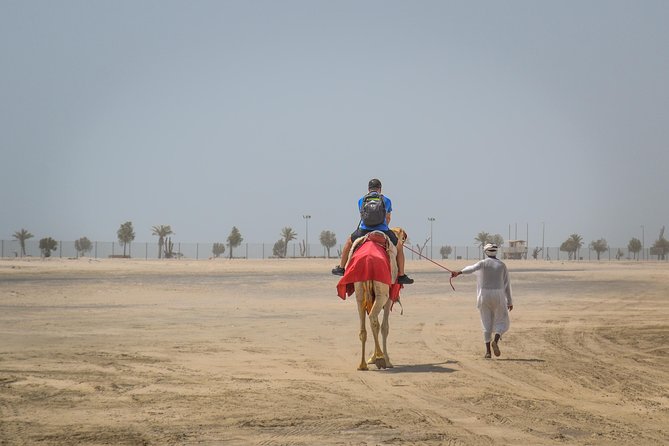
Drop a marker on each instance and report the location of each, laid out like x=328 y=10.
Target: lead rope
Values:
x=450 y=280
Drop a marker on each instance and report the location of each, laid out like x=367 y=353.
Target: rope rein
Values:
x=450 y=280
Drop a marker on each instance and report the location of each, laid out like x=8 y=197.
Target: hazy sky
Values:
x=208 y=114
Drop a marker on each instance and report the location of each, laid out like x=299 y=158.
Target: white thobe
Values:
x=493 y=295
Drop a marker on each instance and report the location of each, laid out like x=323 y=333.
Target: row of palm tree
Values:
x=328 y=239
x=574 y=243
x=46 y=245
x=484 y=238
x=280 y=249
x=126 y=235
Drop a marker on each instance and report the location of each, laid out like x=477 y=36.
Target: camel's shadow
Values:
x=521 y=359
x=423 y=368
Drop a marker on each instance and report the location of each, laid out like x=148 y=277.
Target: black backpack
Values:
x=373 y=209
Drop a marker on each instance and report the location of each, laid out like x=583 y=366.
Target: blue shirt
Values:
x=384 y=225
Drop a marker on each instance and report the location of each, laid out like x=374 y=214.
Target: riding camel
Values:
x=371 y=272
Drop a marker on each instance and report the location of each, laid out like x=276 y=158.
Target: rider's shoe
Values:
x=338 y=271
x=404 y=280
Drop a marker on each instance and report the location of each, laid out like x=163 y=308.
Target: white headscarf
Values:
x=490 y=249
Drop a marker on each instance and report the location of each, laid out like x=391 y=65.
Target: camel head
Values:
x=400 y=233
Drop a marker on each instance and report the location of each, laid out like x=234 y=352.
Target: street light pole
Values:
x=306 y=237
x=431 y=219
x=543 y=239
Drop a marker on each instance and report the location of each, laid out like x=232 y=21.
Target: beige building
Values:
x=517 y=249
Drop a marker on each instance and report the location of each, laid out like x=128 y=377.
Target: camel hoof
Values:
x=380 y=363
x=363 y=367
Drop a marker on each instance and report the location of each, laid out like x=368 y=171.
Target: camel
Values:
x=372 y=258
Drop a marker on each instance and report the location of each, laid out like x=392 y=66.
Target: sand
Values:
x=263 y=352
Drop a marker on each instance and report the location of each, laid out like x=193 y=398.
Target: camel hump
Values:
x=378 y=237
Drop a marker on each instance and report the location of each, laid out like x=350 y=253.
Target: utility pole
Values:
x=527 y=236
x=543 y=239
x=306 y=237
x=643 y=242
x=431 y=220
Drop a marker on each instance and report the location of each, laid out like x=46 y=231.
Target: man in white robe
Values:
x=493 y=296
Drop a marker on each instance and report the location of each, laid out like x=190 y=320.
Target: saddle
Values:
x=382 y=240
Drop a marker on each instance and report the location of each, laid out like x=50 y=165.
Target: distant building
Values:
x=517 y=249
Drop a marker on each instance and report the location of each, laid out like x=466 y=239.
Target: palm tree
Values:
x=279 y=249
x=328 y=240
x=46 y=245
x=599 y=246
x=572 y=245
x=161 y=231
x=445 y=251
x=660 y=247
x=287 y=234
x=576 y=244
x=83 y=245
x=218 y=249
x=125 y=234
x=22 y=236
x=234 y=239
x=634 y=246
x=566 y=246
x=482 y=238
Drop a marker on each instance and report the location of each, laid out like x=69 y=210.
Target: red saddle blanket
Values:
x=369 y=262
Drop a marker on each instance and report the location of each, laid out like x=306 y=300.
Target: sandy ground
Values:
x=239 y=352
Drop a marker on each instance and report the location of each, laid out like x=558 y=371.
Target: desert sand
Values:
x=263 y=352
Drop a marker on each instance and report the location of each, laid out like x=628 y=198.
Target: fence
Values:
x=200 y=251
x=149 y=250
x=551 y=253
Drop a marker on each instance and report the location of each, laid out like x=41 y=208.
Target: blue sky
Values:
x=211 y=114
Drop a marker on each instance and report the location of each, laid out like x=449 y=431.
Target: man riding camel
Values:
x=375 y=210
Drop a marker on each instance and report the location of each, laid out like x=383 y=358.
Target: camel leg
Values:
x=377 y=357
x=381 y=292
x=385 y=329
x=363 y=330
